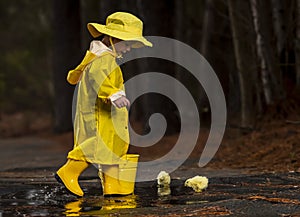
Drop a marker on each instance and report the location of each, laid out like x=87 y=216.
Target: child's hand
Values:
x=122 y=102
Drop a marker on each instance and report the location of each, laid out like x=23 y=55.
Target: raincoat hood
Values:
x=121 y=25
x=97 y=48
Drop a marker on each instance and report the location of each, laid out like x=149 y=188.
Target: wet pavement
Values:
x=252 y=195
x=29 y=189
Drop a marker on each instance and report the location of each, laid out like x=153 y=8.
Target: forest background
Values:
x=252 y=45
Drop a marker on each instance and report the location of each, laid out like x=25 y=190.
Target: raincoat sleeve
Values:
x=74 y=75
x=104 y=76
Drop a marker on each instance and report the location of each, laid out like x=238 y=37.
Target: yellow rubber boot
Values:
x=119 y=179
x=68 y=175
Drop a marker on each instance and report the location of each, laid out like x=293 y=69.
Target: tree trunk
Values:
x=206 y=47
x=262 y=60
x=278 y=23
x=156 y=25
x=66 y=54
x=269 y=49
x=243 y=38
x=298 y=44
x=90 y=12
x=208 y=27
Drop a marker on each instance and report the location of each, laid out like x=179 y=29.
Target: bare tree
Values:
x=158 y=26
x=268 y=50
x=297 y=47
x=208 y=26
x=66 y=54
x=262 y=59
x=243 y=38
x=278 y=23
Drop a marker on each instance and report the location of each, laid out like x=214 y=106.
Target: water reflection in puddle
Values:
x=100 y=205
x=52 y=200
x=225 y=195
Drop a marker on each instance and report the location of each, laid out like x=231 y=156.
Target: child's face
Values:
x=122 y=46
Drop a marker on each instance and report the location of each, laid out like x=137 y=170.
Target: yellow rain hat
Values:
x=121 y=25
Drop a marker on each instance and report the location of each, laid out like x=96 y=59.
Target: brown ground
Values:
x=274 y=144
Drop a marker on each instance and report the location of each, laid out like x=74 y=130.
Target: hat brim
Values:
x=96 y=30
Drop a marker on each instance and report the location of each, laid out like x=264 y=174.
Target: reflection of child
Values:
x=100 y=125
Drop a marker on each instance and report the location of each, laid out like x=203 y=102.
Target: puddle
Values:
x=269 y=194
x=53 y=200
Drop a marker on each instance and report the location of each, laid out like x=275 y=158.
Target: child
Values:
x=100 y=126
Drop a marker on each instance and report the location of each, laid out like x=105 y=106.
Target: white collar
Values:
x=98 y=47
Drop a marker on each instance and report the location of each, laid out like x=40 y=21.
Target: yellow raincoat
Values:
x=100 y=129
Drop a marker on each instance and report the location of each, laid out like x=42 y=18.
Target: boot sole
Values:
x=58 y=179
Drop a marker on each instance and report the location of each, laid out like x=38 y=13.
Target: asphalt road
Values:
x=28 y=188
